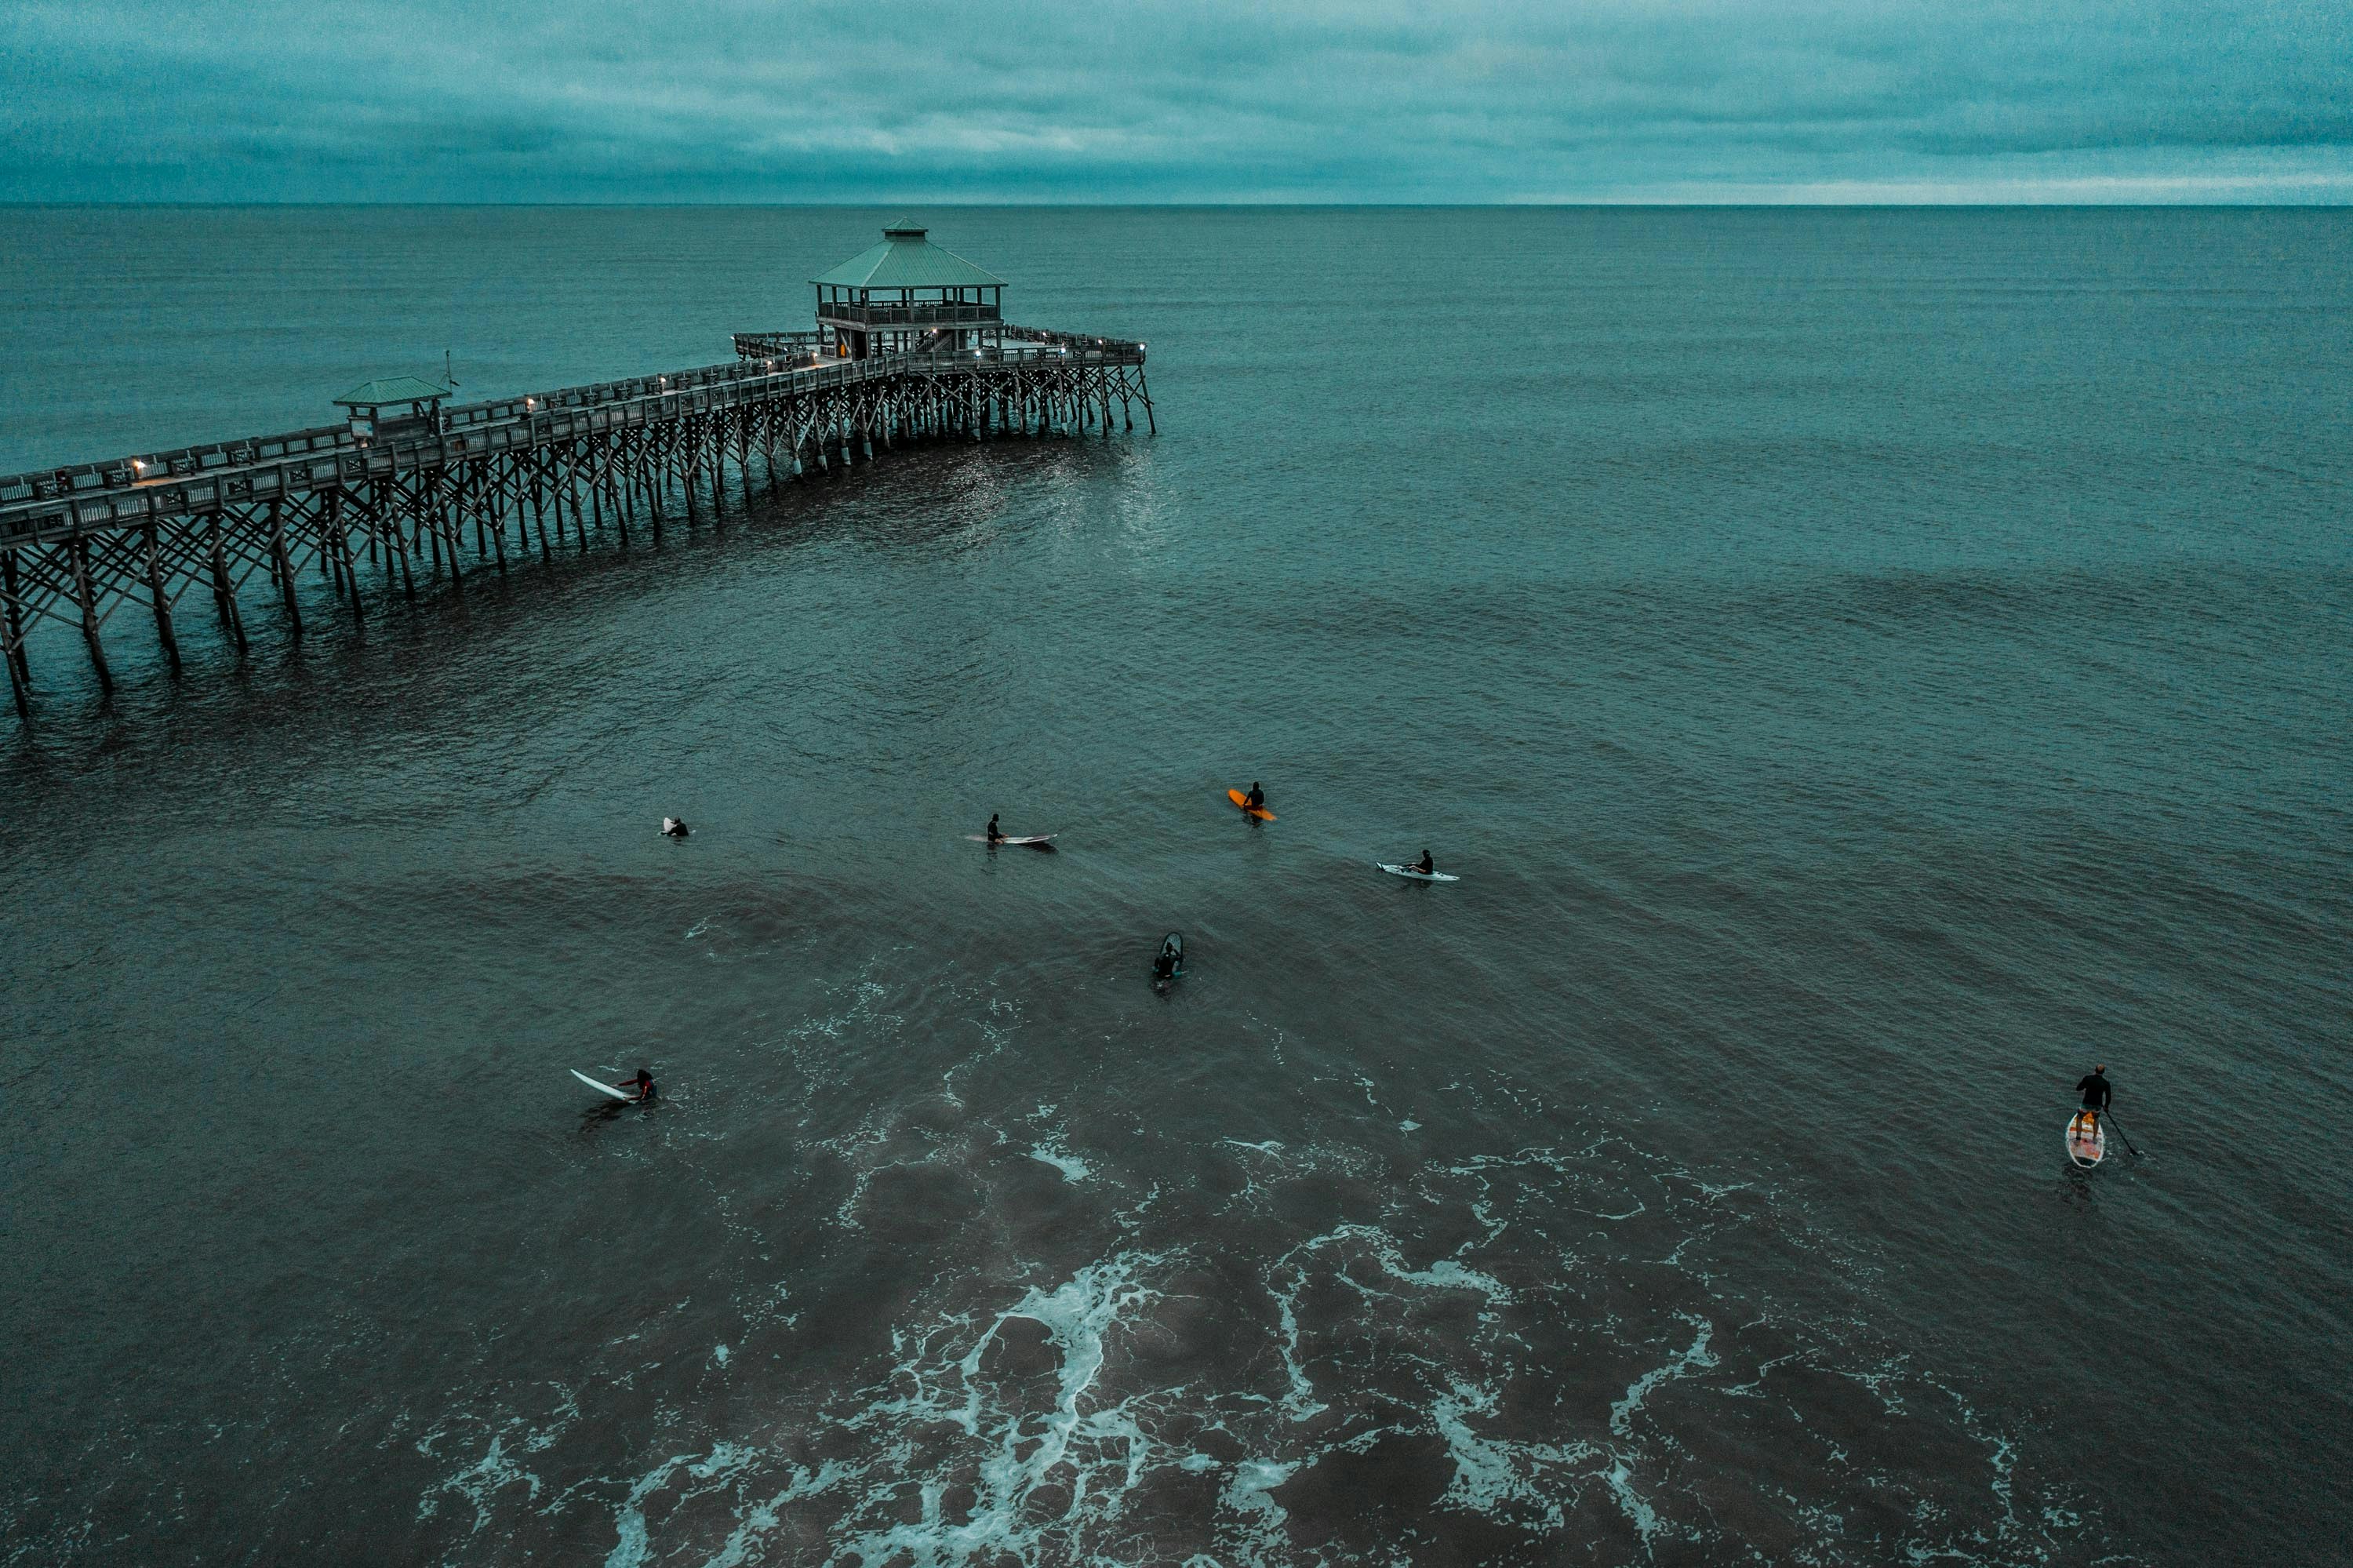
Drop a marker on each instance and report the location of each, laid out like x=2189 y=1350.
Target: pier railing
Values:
x=887 y=314
x=780 y=346
x=53 y=503
x=1115 y=347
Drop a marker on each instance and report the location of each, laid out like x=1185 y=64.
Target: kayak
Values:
x=1024 y=839
x=1414 y=873
x=1241 y=800
x=2086 y=1149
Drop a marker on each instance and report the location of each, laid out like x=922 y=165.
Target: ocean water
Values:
x=1866 y=667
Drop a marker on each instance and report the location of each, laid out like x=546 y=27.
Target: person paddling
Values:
x=1425 y=865
x=1256 y=800
x=2096 y=1092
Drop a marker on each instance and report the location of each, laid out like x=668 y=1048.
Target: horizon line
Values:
x=2333 y=203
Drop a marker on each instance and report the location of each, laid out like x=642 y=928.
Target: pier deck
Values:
x=80 y=543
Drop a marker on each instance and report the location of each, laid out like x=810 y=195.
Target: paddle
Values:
x=2120 y=1133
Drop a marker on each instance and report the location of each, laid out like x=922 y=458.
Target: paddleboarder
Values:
x=2096 y=1092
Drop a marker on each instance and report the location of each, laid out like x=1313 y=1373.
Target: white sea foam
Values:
x=1073 y=1170
x=1023 y=1449
x=1694 y=1358
x=1249 y=1495
x=1490 y=1473
x=979 y=1439
x=632 y=1545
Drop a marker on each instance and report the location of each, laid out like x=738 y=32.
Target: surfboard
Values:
x=2086 y=1150
x=1241 y=798
x=1026 y=838
x=1174 y=939
x=600 y=1088
x=1412 y=874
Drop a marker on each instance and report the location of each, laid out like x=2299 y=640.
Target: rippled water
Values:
x=1865 y=666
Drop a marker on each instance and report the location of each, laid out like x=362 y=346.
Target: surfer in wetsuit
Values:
x=1164 y=967
x=994 y=836
x=1256 y=800
x=674 y=827
x=2095 y=1091
x=646 y=1086
x=1425 y=865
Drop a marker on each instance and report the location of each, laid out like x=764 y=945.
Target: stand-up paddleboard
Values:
x=601 y=1088
x=2086 y=1149
x=1241 y=798
x=1172 y=943
x=1414 y=873
x=1024 y=839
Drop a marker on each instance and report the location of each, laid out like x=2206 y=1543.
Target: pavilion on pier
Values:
x=906 y=295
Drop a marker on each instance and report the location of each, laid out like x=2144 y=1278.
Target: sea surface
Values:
x=1866 y=667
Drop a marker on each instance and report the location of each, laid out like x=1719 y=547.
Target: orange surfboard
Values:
x=1239 y=798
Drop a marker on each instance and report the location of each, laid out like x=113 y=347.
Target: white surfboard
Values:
x=602 y=1088
x=2086 y=1149
x=1027 y=838
x=1414 y=873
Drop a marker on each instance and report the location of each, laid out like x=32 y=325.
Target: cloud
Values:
x=724 y=100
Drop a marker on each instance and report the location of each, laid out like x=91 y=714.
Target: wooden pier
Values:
x=391 y=497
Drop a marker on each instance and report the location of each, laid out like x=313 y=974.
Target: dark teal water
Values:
x=1866 y=667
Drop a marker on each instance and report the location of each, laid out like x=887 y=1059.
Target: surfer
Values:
x=1164 y=967
x=646 y=1086
x=2095 y=1091
x=1256 y=800
x=674 y=827
x=994 y=836
x=1425 y=865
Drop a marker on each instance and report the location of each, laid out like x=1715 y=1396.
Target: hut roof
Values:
x=391 y=390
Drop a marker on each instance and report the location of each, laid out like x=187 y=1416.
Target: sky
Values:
x=1107 y=100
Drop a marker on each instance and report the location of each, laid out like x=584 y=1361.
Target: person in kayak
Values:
x=2096 y=1093
x=1256 y=800
x=1425 y=865
x=645 y=1086
x=994 y=835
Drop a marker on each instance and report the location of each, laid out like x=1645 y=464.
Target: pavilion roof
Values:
x=908 y=260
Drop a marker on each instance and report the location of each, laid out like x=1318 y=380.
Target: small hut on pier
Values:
x=906 y=295
x=393 y=408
